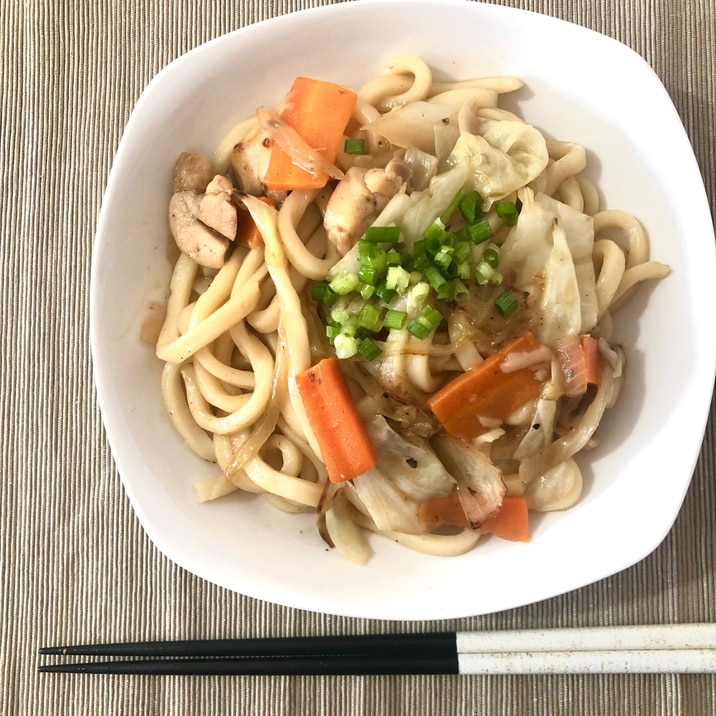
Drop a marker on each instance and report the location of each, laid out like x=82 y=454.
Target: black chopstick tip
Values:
x=54 y=650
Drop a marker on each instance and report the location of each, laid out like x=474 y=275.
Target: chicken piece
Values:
x=359 y=198
x=192 y=172
x=216 y=208
x=249 y=161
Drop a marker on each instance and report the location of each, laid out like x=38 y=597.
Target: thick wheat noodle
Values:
x=221 y=371
x=569 y=159
x=590 y=195
x=611 y=263
x=180 y=288
x=476 y=97
x=501 y=85
x=298 y=254
x=637 y=245
x=176 y=405
x=422 y=79
x=244 y=297
x=291 y=488
x=248 y=407
x=570 y=193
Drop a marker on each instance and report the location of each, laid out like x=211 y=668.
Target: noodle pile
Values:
x=236 y=336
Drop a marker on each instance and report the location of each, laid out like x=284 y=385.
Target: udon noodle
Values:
x=245 y=319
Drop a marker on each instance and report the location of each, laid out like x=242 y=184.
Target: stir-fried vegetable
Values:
x=476 y=400
x=345 y=445
x=319 y=111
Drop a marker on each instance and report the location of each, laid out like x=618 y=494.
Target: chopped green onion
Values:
x=394 y=319
x=368 y=275
x=318 y=291
x=445 y=216
x=462 y=252
x=397 y=279
x=507 y=211
x=393 y=258
x=344 y=283
x=434 y=277
x=471 y=207
x=345 y=346
x=384 y=293
x=354 y=145
x=366 y=251
x=418 y=329
x=367 y=290
x=382 y=234
x=491 y=255
x=419 y=292
x=332 y=332
x=369 y=349
x=463 y=270
x=483 y=272
x=435 y=231
x=369 y=317
x=419 y=262
x=443 y=257
x=340 y=315
x=481 y=231
x=432 y=316
x=506 y=304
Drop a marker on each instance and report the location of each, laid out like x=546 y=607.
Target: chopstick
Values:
x=685 y=648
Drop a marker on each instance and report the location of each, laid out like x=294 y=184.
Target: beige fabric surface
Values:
x=76 y=566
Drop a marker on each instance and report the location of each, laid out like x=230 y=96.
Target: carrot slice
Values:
x=247 y=233
x=319 y=111
x=593 y=359
x=446 y=510
x=468 y=403
x=511 y=521
x=345 y=444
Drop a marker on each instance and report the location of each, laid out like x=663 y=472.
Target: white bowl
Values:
x=581 y=86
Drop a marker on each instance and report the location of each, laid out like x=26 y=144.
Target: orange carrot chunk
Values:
x=445 y=510
x=469 y=403
x=511 y=521
x=345 y=444
x=319 y=111
x=247 y=233
x=593 y=359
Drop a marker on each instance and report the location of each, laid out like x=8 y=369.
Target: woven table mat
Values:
x=75 y=564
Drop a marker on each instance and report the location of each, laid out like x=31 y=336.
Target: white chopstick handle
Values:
x=615 y=638
x=630 y=661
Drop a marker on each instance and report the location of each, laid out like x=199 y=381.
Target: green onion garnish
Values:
x=445 y=216
x=432 y=316
x=382 y=234
x=418 y=329
x=435 y=231
x=345 y=346
x=507 y=211
x=491 y=255
x=394 y=319
x=354 y=145
x=344 y=283
x=369 y=317
x=369 y=349
x=397 y=279
x=481 y=231
x=434 y=277
x=368 y=275
x=505 y=303
x=471 y=207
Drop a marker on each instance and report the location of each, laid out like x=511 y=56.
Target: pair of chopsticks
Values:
x=683 y=648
